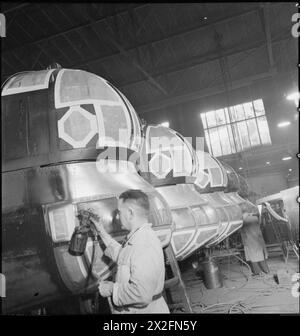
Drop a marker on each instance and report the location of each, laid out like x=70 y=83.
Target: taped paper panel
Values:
x=222 y=215
x=137 y=139
x=215 y=171
x=114 y=126
x=180 y=240
x=76 y=87
x=200 y=215
x=182 y=161
x=77 y=127
x=183 y=218
x=211 y=214
x=62 y=223
x=206 y=235
x=59 y=224
x=161 y=139
x=28 y=81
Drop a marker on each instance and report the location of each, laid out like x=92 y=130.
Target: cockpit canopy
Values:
x=210 y=173
x=72 y=114
x=166 y=156
x=233 y=178
x=116 y=120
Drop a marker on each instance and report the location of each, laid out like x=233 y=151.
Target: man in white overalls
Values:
x=253 y=241
x=140 y=273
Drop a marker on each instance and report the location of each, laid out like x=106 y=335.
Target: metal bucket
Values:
x=211 y=274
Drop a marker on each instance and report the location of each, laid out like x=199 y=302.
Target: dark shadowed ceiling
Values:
x=157 y=54
x=152 y=52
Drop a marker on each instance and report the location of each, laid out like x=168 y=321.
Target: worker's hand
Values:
x=99 y=225
x=106 y=288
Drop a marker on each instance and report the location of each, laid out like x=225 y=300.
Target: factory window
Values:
x=236 y=128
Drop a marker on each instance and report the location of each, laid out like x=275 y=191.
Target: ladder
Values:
x=280 y=241
x=284 y=244
x=175 y=280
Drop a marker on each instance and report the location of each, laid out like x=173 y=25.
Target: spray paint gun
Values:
x=82 y=232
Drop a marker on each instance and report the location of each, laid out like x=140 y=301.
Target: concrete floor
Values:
x=242 y=295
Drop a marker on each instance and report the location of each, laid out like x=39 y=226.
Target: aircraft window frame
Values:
x=114 y=222
x=206 y=207
x=188 y=211
x=39 y=81
x=195 y=210
x=115 y=99
x=165 y=216
x=137 y=131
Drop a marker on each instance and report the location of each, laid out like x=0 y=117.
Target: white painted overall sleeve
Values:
x=113 y=249
x=143 y=282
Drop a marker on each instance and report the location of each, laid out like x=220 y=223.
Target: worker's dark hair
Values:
x=138 y=196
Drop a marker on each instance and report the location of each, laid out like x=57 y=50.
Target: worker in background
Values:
x=254 y=244
x=140 y=276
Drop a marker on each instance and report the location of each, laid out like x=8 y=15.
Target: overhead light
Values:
x=295 y=97
x=284 y=123
x=268 y=162
x=286 y=158
x=240 y=168
x=290 y=169
x=195 y=264
x=165 y=124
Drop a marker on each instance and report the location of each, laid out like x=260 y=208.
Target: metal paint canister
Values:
x=78 y=242
x=212 y=276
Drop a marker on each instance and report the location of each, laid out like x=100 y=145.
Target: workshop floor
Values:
x=242 y=295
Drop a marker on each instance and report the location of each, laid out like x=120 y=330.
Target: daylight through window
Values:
x=236 y=128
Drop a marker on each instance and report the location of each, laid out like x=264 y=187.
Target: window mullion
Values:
x=220 y=142
x=206 y=121
x=258 y=131
x=235 y=140
x=248 y=132
x=232 y=129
